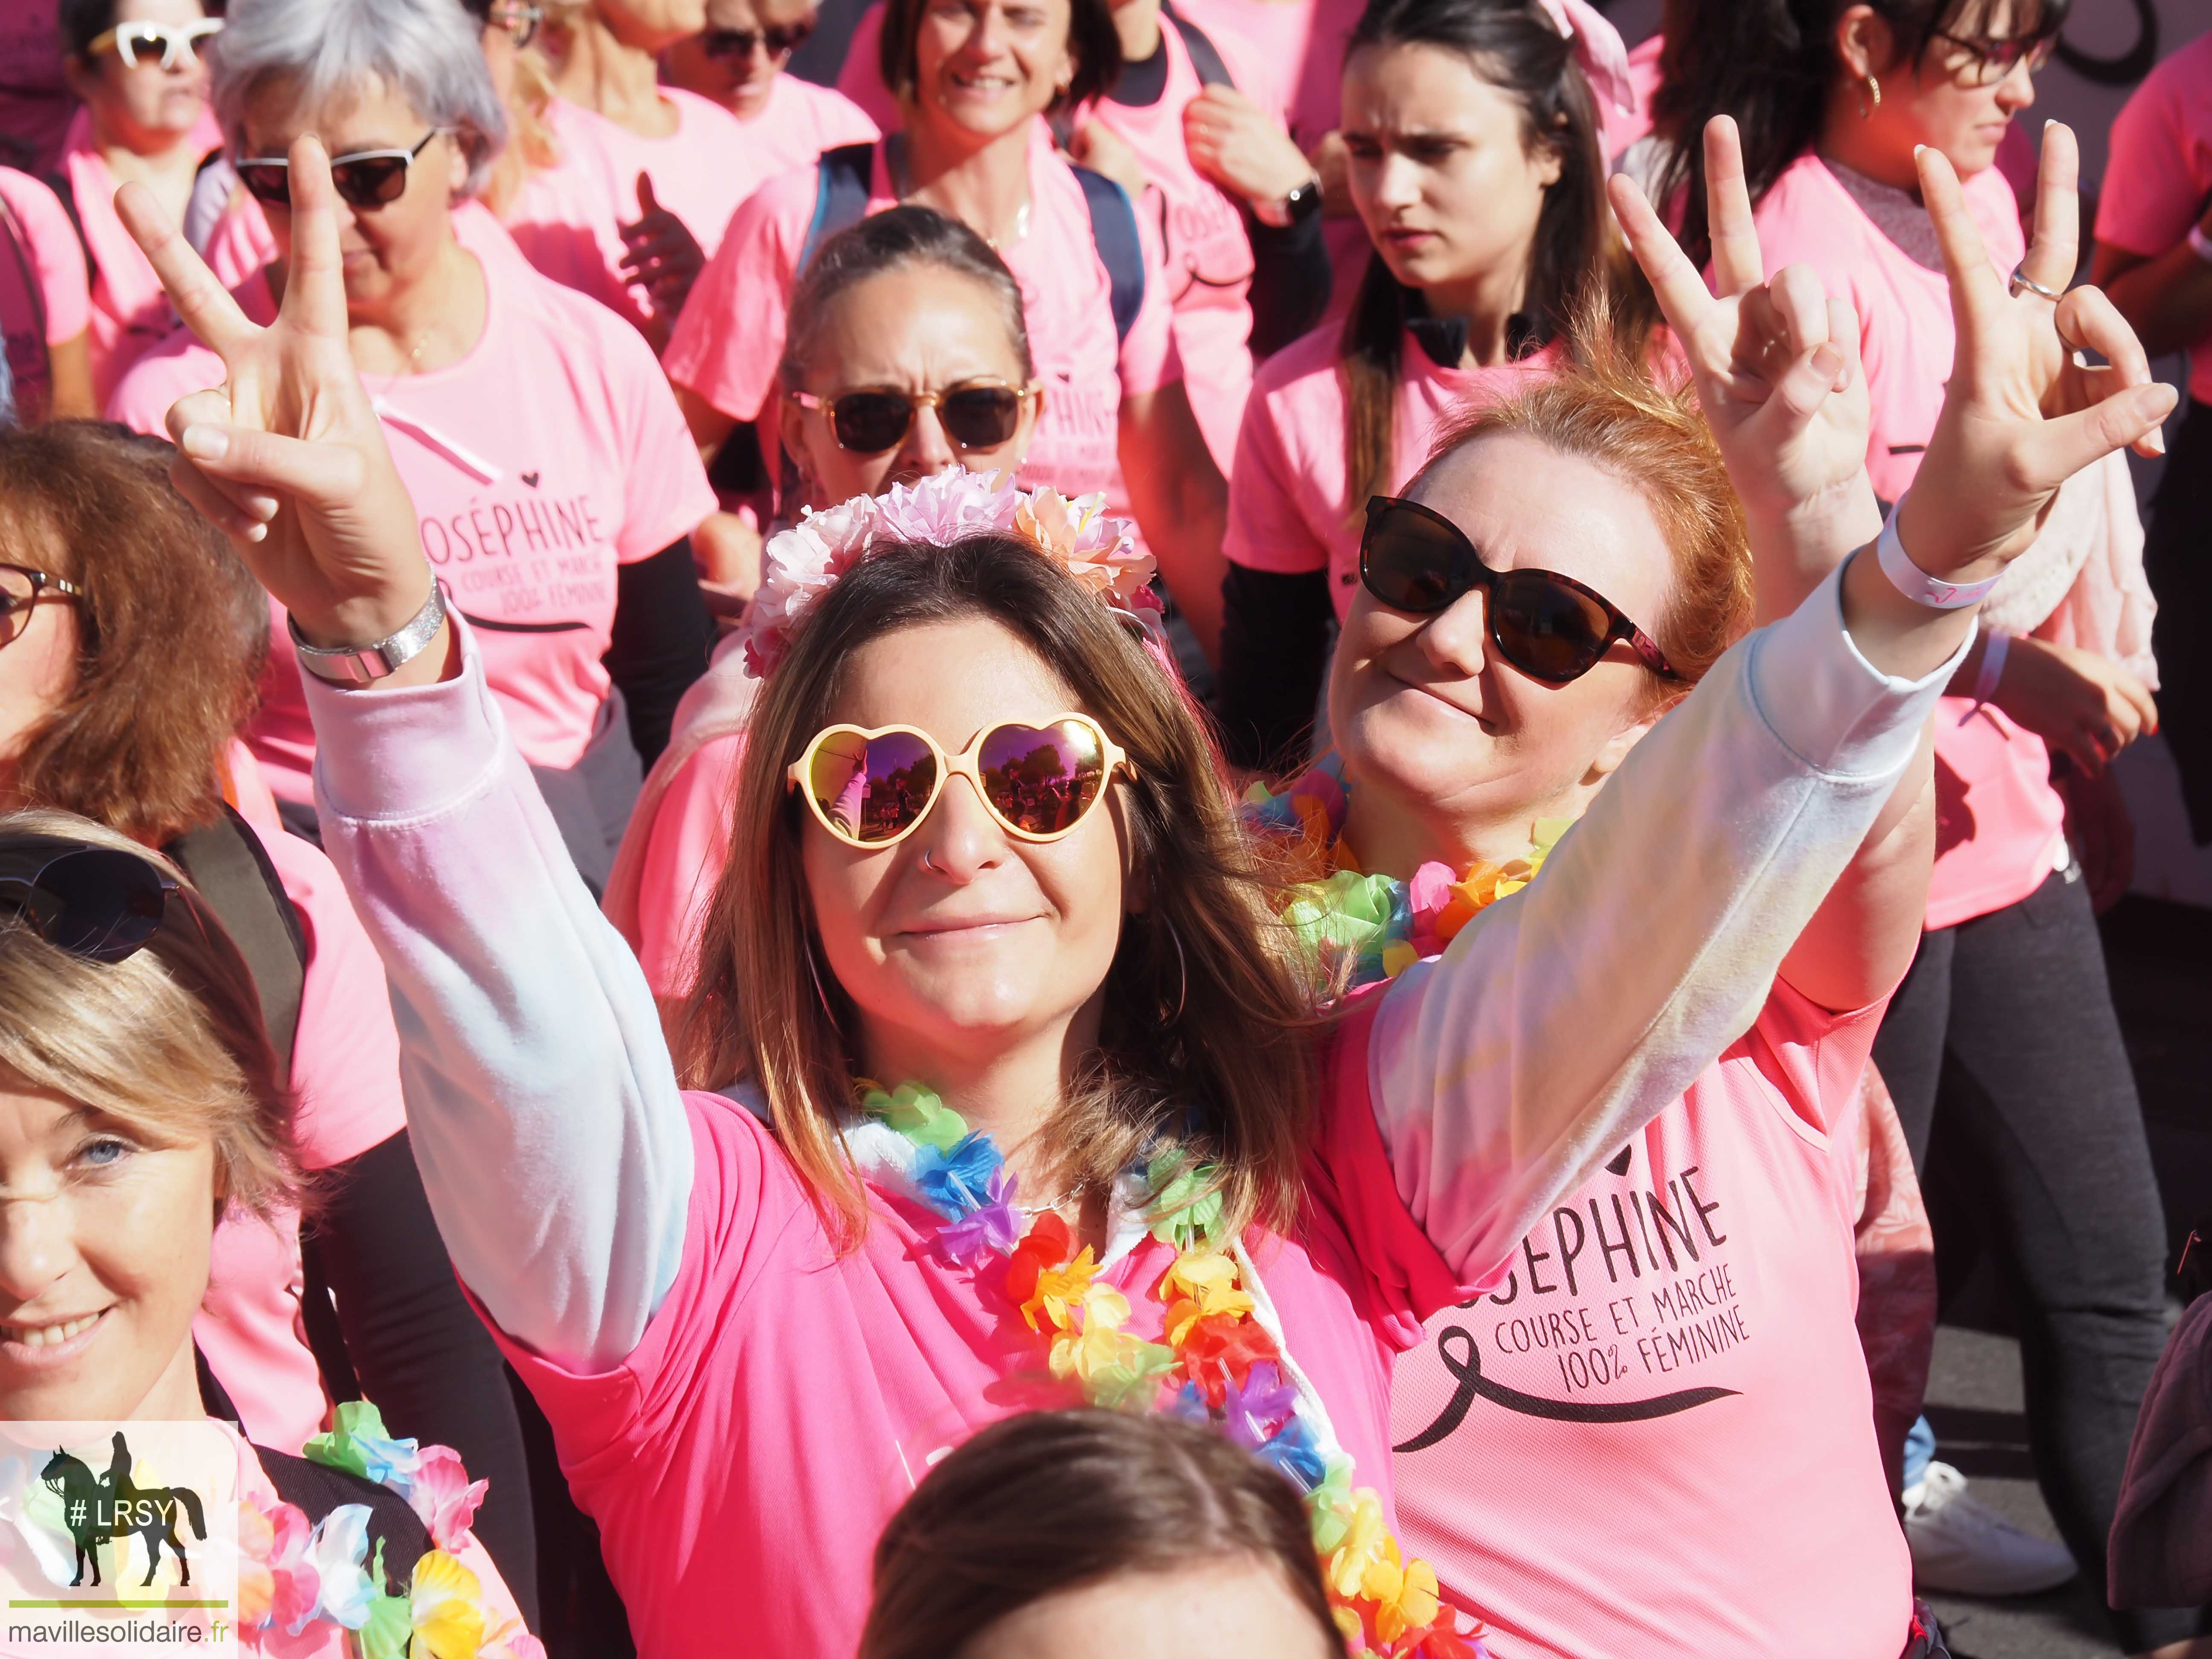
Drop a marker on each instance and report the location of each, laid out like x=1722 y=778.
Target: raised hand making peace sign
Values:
x=287 y=457
x=1776 y=364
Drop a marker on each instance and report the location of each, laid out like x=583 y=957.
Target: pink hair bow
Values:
x=1598 y=46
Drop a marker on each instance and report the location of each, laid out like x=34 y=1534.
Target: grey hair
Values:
x=430 y=52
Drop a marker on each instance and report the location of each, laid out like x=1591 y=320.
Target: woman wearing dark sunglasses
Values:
x=140 y=67
x=747 y=1296
x=1473 y=133
x=2001 y=1047
x=131 y=645
x=976 y=82
x=540 y=440
x=739 y=61
x=906 y=358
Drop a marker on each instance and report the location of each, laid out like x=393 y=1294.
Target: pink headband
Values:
x=802 y=563
x=1598 y=48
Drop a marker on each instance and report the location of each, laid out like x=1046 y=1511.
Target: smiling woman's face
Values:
x=962 y=939
x=986 y=67
x=1423 y=710
x=104 y=1240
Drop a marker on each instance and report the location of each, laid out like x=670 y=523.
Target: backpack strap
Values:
x=58 y=182
x=228 y=863
x=1114 y=231
x=317 y=1489
x=1204 y=56
x=841 y=194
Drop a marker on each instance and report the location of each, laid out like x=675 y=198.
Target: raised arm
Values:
x=1563 y=1018
x=543 y=1111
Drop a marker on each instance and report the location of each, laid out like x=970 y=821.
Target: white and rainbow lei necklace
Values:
x=1224 y=1362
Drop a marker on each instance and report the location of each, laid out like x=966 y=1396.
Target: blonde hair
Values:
x=167 y=1042
x=1605 y=408
x=1202 y=1046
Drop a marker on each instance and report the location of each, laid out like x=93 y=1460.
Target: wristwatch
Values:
x=1300 y=204
x=364 y=664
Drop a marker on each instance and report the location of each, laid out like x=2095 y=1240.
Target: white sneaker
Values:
x=1961 y=1545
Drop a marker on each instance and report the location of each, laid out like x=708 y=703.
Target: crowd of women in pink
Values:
x=1157 y=822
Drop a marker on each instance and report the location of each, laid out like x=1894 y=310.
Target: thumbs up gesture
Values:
x=664 y=258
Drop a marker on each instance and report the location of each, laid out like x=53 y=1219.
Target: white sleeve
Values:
x=543 y=1106
x=1563 y=1018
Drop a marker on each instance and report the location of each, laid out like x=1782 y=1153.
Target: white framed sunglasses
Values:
x=137 y=42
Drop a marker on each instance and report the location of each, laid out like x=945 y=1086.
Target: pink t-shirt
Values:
x=686 y=846
x=1674 y=1360
x=44 y=299
x=775 y=1365
x=346 y=1069
x=131 y=315
x=1622 y=128
x=1207 y=253
x=2159 y=176
x=860 y=80
x=727 y=343
x=2001 y=836
x=1290 y=505
x=548 y=455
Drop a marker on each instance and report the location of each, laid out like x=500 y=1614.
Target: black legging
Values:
x=2003 y=1051
x=2178 y=559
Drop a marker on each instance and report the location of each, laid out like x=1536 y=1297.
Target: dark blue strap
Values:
x=841 y=194
x=1114 y=231
x=1204 y=56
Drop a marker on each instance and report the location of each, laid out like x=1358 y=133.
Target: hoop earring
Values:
x=815 y=974
x=1182 y=972
x=1873 y=91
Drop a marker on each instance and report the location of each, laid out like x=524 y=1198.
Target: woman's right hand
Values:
x=2002 y=445
x=287 y=457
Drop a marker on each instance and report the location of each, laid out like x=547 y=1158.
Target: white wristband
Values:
x=2200 y=244
x=1916 y=584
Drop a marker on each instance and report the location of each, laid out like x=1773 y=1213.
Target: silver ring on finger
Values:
x=2024 y=283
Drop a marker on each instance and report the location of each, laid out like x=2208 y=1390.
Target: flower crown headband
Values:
x=801 y=564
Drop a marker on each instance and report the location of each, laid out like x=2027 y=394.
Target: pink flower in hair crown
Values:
x=802 y=563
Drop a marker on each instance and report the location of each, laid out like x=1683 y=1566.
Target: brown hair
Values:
x=1094 y=45
x=1512 y=44
x=893 y=239
x=168 y=1043
x=1604 y=408
x=1049 y=1501
x=171 y=631
x=1202 y=1045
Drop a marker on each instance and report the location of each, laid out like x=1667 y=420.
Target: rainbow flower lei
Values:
x=295 y=1574
x=1223 y=1364
x=1379 y=926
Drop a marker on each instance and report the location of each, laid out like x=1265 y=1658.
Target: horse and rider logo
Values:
x=99 y=1511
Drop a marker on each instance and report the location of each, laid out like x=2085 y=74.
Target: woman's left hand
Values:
x=1241 y=147
x=1776 y=361
x=2084 y=705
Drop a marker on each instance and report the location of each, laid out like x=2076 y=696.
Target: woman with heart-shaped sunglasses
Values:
x=745 y=1310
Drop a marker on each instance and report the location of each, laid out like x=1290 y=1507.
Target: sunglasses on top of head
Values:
x=780 y=39
x=363 y=178
x=134 y=42
x=92 y=902
x=980 y=415
x=1548 y=626
x=872 y=788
